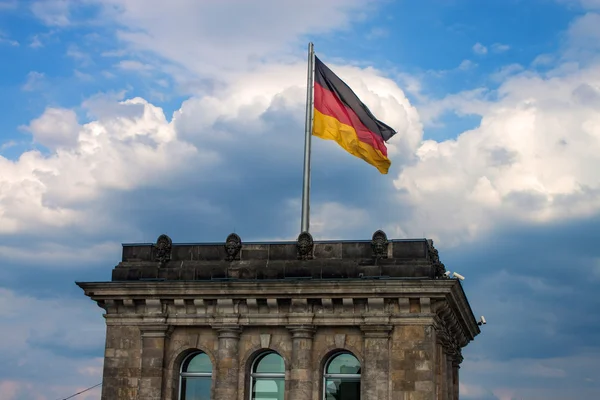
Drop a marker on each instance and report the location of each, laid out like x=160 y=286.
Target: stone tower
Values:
x=333 y=320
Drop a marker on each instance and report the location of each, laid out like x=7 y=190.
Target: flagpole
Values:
x=307 y=139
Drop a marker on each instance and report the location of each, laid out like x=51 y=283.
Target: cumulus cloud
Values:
x=190 y=32
x=506 y=71
x=531 y=158
x=130 y=146
x=130 y=171
x=55 y=128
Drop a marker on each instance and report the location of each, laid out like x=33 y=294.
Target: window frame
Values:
x=338 y=376
x=261 y=375
x=183 y=375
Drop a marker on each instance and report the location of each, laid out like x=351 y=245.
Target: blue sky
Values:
x=125 y=119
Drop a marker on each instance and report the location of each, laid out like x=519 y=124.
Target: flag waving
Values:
x=339 y=115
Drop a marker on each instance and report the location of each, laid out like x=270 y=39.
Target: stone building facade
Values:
x=304 y=320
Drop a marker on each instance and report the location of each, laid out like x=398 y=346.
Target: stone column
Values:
x=301 y=384
x=440 y=357
x=226 y=387
x=375 y=371
x=455 y=381
x=153 y=352
x=449 y=377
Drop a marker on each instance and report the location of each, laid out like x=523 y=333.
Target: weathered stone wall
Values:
x=403 y=362
x=407 y=334
x=413 y=360
x=122 y=362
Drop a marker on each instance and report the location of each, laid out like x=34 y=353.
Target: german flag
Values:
x=339 y=115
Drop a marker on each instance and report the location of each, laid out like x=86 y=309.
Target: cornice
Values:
x=440 y=303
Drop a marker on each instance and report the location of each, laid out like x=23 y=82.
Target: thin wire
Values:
x=83 y=391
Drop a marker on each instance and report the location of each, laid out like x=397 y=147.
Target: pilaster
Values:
x=375 y=372
x=153 y=351
x=301 y=384
x=226 y=387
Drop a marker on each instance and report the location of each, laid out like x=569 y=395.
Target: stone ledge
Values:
x=347 y=249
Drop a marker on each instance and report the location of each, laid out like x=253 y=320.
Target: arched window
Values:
x=267 y=380
x=195 y=378
x=342 y=378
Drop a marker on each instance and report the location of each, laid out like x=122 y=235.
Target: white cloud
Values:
x=480 y=49
x=133 y=65
x=83 y=76
x=7 y=145
x=543 y=60
x=131 y=143
x=506 y=71
x=531 y=159
x=189 y=32
x=36 y=42
x=34 y=80
x=52 y=12
x=56 y=127
x=500 y=48
x=466 y=65
x=84 y=59
x=4 y=39
x=464 y=103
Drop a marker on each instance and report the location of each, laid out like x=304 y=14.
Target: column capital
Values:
x=228 y=331
x=302 y=331
x=376 y=331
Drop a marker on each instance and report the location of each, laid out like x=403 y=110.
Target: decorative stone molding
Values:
x=252 y=305
x=158 y=331
x=154 y=306
x=305 y=245
x=449 y=332
x=273 y=306
x=228 y=331
x=457 y=359
x=376 y=331
x=287 y=304
x=438 y=267
x=162 y=249
x=225 y=306
x=327 y=305
x=375 y=305
x=233 y=245
x=265 y=340
x=299 y=306
x=302 y=331
x=340 y=340
x=379 y=244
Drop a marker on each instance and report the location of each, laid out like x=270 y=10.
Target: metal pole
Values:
x=307 y=138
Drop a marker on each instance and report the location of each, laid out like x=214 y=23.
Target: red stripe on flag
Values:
x=329 y=104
